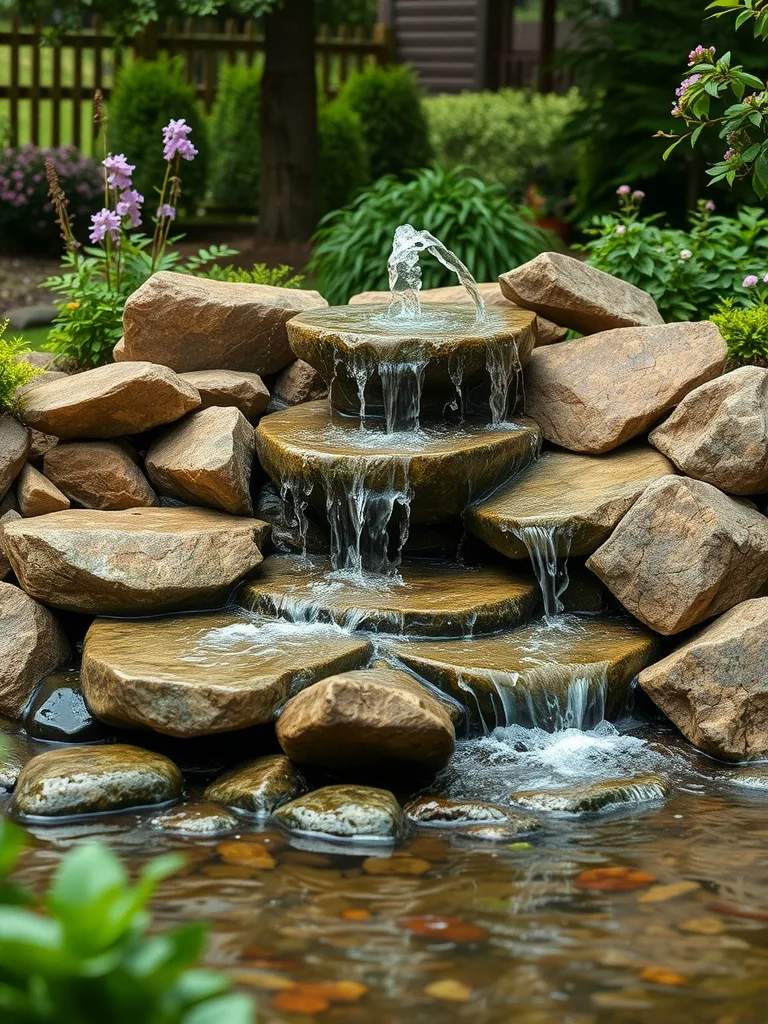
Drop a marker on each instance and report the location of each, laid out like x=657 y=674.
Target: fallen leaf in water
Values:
x=614 y=879
x=265 y=981
x=661 y=893
x=703 y=926
x=260 y=956
x=294 y=1000
x=334 y=991
x=356 y=914
x=443 y=929
x=519 y=846
x=396 y=866
x=450 y=990
x=662 y=976
x=251 y=855
x=721 y=907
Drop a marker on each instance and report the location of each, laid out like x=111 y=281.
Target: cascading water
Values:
x=542 y=544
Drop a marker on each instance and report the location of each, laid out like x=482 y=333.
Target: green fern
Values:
x=13 y=372
x=745 y=332
x=279 y=277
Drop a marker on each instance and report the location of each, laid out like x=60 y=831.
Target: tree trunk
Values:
x=289 y=187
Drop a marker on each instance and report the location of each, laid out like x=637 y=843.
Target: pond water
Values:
x=524 y=931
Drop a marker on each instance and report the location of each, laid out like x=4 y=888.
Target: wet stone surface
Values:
x=58 y=711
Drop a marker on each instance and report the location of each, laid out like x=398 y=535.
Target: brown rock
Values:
x=245 y=391
x=374 y=718
x=192 y=323
x=577 y=296
x=719 y=432
x=36 y=494
x=594 y=394
x=683 y=553
x=206 y=460
x=139 y=561
x=715 y=686
x=90 y=780
x=33 y=644
x=260 y=786
x=5 y=565
x=578 y=499
x=120 y=398
x=209 y=673
x=436 y=810
x=40 y=445
x=344 y=812
x=118 y=352
x=100 y=475
x=298 y=383
x=14 y=448
x=197 y=820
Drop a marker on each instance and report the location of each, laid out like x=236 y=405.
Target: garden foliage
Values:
x=475 y=219
x=345 y=166
x=278 y=277
x=745 y=332
x=13 y=373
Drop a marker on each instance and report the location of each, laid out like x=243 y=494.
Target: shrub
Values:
x=344 y=163
x=235 y=140
x=13 y=374
x=475 y=219
x=388 y=103
x=147 y=95
x=279 y=277
x=745 y=332
x=515 y=137
x=25 y=209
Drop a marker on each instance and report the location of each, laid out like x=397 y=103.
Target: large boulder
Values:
x=100 y=475
x=575 y=295
x=120 y=398
x=89 y=780
x=372 y=719
x=259 y=786
x=245 y=391
x=135 y=562
x=683 y=553
x=14 y=448
x=193 y=323
x=206 y=460
x=344 y=812
x=594 y=394
x=33 y=644
x=719 y=432
x=715 y=686
x=37 y=495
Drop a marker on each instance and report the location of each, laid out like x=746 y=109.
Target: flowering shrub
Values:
x=685 y=271
x=745 y=331
x=25 y=209
x=13 y=372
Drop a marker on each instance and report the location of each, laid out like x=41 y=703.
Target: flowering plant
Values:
x=685 y=271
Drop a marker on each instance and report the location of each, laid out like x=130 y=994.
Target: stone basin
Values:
x=394 y=367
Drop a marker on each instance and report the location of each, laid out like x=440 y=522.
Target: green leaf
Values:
x=234 y=1009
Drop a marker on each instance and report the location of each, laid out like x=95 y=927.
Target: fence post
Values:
x=146 y=43
x=382 y=36
x=14 y=91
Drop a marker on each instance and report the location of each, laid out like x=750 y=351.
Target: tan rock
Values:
x=134 y=562
x=719 y=432
x=344 y=812
x=578 y=499
x=33 y=644
x=259 y=786
x=100 y=475
x=5 y=565
x=206 y=460
x=599 y=796
x=90 y=780
x=193 y=323
x=298 y=383
x=209 y=673
x=715 y=686
x=683 y=553
x=374 y=718
x=118 y=352
x=245 y=391
x=594 y=394
x=120 y=398
x=37 y=495
x=14 y=449
x=577 y=296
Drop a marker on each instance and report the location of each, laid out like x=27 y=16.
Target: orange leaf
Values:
x=443 y=929
x=450 y=990
x=614 y=879
x=295 y=1000
x=395 y=866
x=662 y=976
x=252 y=855
x=356 y=914
x=334 y=991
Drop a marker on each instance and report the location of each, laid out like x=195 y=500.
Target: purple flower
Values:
x=685 y=85
x=701 y=53
x=676 y=111
x=709 y=206
x=175 y=141
x=129 y=205
x=120 y=171
x=108 y=222
x=623 y=190
x=166 y=210
x=728 y=154
x=749 y=281
x=765 y=279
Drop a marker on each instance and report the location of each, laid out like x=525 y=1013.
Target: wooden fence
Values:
x=46 y=92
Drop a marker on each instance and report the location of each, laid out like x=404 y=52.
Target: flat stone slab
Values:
x=579 y=499
x=443 y=467
x=719 y=432
x=245 y=391
x=597 y=393
x=359 y=813
x=598 y=797
x=424 y=598
x=259 y=786
x=193 y=323
x=563 y=676
x=134 y=562
x=576 y=295
x=202 y=674
x=683 y=553
x=714 y=687
x=90 y=780
x=100 y=475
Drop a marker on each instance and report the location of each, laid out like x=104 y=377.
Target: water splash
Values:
x=506 y=372
x=405 y=272
x=542 y=544
x=295 y=495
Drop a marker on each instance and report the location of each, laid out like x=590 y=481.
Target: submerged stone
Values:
x=570 y=673
x=750 y=778
x=15 y=751
x=90 y=780
x=438 y=810
x=133 y=562
x=196 y=675
x=375 y=719
x=597 y=797
x=424 y=598
x=509 y=831
x=58 y=712
x=344 y=812
x=196 y=819
x=578 y=499
x=259 y=786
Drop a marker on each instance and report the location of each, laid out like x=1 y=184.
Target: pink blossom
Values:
x=120 y=171
x=166 y=210
x=638 y=195
x=620 y=229
x=709 y=206
x=685 y=85
x=175 y=141
x=129 y=205
x=749 y=281
x=700 y=54
x=728 y=154
x=623 y=190
x=105 y=222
